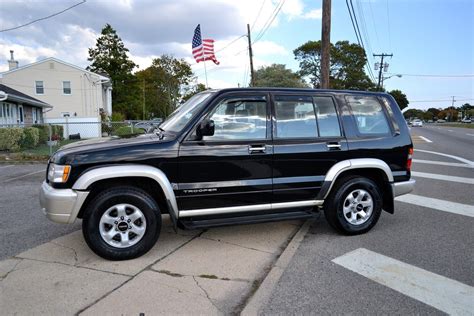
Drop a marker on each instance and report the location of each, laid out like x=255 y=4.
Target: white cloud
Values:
x=314 y=14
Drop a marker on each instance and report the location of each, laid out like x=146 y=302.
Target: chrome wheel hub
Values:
x=122 y=225
x=358 y=207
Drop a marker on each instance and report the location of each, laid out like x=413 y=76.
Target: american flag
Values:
x=203 y=49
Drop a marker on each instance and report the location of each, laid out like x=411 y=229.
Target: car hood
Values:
x=115 y=148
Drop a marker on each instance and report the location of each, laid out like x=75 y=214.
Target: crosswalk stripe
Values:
x=442 y=293
x=442 y=177
x=446 y=155
x=437 y=204
x=442 y=163
x=425 y=139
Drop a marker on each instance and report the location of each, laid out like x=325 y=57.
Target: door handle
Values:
x=253 y=149
x=333 y=146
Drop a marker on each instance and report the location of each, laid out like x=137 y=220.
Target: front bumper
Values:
x=61 y=205
x=400 y=188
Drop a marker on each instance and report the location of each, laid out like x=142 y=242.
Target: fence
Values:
x=44 y=139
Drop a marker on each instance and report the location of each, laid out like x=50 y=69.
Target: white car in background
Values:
x=417 y=123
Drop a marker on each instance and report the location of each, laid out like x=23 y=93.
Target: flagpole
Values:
x=204 y=56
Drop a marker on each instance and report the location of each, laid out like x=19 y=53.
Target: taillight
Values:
x=409 y=159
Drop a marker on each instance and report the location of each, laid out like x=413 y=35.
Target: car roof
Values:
x=292 y=90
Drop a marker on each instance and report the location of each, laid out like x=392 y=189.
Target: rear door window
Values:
x=369 y=115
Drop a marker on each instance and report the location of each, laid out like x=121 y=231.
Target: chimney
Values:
x=12 y=63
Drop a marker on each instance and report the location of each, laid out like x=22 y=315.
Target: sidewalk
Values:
x=192 y=272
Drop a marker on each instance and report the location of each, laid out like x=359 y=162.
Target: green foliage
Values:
x=110 y=56
x=277 y=75
x=194 y=90
x=346 y=70
x=43 y=133
x=400 y=97
x=160 y=84
x=117 y=117
x=11 y=138
x=127 y=131
x=30 y=137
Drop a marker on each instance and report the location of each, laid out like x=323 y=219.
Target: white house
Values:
x=75 y=94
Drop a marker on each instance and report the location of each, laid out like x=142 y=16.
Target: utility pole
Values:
x=144 y=99
x=325 y=43
x=381 y=67
x=252 y=74
x=452 y=103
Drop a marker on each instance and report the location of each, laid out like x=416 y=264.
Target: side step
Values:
x=241 y=220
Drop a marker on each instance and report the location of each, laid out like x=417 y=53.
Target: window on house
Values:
x=66 y=87
x=39 y=87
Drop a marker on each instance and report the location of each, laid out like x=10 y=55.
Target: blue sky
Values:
x=426 y=37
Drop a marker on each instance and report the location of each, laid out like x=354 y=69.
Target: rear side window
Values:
x=306 y=117
x=369 y=115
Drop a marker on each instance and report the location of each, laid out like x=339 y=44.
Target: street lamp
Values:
x=385 y=78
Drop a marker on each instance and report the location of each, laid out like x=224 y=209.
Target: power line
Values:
x=43 y=18
x=388 y=26
x=258 y=15
x=440 y=100
x=269 y=22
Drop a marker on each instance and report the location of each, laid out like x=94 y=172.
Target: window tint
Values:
x=39 y=87
x=239 y=119
x=305 y=117
x=327 y=117
x=368 y=114
x=295 y=117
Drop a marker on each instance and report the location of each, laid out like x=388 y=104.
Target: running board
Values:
x=242 y=220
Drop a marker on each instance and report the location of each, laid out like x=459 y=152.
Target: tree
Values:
x=109 y=56
x=161 y=82
x=346 y=69
x=192 y=91
x=400 y=97
x=277 y=75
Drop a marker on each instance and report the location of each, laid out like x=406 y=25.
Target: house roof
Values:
x=102 y=77
x=17 y=96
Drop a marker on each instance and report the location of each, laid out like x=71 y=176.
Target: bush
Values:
x=117 y=117
x=43 y=133
x=127 y=131
x=11 y=138
x=30 y=137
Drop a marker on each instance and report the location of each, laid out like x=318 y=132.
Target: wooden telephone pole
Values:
x=325 y=43
x=252 y=74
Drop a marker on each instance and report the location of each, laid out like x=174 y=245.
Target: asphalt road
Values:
x=22 y=224
x=420 y=236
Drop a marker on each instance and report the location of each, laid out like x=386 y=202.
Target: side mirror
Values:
x=205 y=128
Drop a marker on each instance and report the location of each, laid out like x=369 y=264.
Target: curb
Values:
x=262 y=295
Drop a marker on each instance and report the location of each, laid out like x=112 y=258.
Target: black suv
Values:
x=236 y=156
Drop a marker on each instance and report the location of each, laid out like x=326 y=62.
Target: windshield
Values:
x=185 y=113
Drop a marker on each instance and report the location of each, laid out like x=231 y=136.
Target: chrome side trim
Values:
x=350 y=164
x=221 y=184
x=248 y=208
x=400 y=188
x=124 y=171
x=298 y=179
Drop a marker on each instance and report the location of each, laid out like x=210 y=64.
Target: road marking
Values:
x=469 y=134
x=425 y=139
x=446 y=155
x=442 y=163
x=2 y=167
x=437 y=204
x=445 y=294
x=442 y=177
x=450 y=130
x=25 y=175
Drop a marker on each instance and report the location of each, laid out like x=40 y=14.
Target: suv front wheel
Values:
x=355 y=205
x=121 y=223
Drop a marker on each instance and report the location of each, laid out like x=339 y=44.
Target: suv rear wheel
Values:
x=121 y=223
x=355 y=205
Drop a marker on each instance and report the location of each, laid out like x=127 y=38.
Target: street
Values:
x=432 y=230
x=428 y=242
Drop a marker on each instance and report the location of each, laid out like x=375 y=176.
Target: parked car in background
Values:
x=466 y=120
x=440 y=121
x=417 y=123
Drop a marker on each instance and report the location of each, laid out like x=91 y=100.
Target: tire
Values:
x=351 y=199
x=121 y=223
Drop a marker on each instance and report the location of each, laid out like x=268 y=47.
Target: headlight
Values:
x=58 y=173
